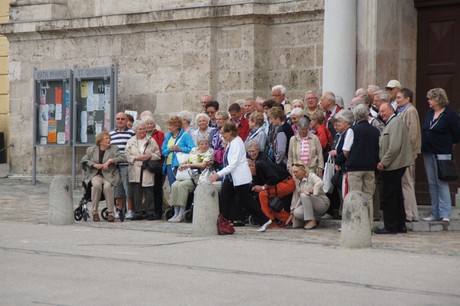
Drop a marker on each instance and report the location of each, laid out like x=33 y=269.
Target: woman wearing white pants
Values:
x=309 y=202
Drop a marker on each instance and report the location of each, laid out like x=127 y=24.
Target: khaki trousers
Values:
x=100 y=185
x=363 y=181
x=410 y=202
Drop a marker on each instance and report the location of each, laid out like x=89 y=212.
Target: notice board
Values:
x=52 y=111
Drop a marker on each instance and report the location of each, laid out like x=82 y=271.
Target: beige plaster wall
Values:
x=4 y=82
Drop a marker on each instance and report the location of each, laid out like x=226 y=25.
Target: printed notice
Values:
x=58 y=95
x=84 y=125
x=43 y=120
x=84 y=89
x=52 y=127
x=61 y=138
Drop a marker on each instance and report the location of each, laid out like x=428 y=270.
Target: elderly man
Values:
x=395 y=156
x=249 y=107
x=330 y=109
x=393 y=87
x=205 y=99
x=361 y=148
x=311 y=100
x=380 y=97
x=409 y=115
x=119 y=137
x=279 y=96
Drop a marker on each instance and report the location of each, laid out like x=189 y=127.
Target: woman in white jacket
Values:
x=309 y=202
x=237 y=178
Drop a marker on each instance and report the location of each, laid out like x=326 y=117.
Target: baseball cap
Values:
x=393 y=84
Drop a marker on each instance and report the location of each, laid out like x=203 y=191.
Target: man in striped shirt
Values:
x=120 y=137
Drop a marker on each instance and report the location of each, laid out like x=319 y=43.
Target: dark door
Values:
x=438 y=65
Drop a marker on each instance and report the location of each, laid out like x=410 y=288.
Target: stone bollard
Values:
x=356 y=226
x=205 y=209
x=60 y=208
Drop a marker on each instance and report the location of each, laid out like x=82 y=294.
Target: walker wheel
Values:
x=77 y=214
x=104 y=213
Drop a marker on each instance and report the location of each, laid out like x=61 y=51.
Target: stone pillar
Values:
x=356 y=221
x=60 y=208
x=205 y=210
x=339 y=54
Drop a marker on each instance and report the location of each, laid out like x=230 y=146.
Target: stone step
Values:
x=420 y=226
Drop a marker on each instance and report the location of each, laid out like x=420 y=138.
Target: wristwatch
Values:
x=263 y=187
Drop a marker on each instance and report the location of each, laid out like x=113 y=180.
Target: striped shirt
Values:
x=121 y=138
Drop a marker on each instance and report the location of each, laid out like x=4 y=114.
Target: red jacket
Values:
x=243 y=128
x=159 y=137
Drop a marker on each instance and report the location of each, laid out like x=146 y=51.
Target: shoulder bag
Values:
x=447 y=169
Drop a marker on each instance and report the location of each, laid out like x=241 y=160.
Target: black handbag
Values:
x=447 y=169
x=151 y=166
x=276 y=204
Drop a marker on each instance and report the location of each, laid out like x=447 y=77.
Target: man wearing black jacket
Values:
x=271 y=180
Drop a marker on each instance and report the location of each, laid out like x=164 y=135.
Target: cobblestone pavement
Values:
x=23 y=202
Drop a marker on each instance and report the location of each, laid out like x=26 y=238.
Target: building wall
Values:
x=4 y=82
x=166 y=58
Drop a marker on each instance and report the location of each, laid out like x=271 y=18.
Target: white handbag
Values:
x=182 y=175
x=329 y=169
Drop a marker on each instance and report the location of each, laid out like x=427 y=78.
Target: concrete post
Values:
x=339 y=54
x=356 y=221
x=205 y=209
x=60 y=209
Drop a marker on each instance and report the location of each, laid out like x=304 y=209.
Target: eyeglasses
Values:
x=121 y=118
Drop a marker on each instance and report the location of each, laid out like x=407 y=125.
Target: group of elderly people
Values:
x=272 y=172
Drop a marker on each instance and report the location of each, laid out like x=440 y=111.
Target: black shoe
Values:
x=408 y=221
x=402 y=230
x=137 y=217
x=238 y=223
x=384 y=231
x=151 y=217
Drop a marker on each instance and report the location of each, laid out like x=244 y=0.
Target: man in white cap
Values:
x=393 y=88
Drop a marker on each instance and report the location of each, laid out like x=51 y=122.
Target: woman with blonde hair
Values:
x=309 y=202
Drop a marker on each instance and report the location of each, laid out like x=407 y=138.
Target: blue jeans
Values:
x=441 y=205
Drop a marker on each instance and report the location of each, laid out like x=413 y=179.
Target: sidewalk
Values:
x=23 y=202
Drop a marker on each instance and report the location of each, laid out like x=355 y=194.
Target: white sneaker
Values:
x=117 y=216
x=445 y=220
x=173 y=219
x=129 y=215
x=264 y=227
x=430 y=218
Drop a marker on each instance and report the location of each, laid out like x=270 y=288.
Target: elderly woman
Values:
x=440 y=131
x=199 y=158
x=305 y=148
x=176 y=141
x=237 y=178
x=296 y=115
x=319 y=129
x=309 y=202
x=215 y=139
x=254 y=150
x=103 y=173
x=257 y=130
x=159 y=137
x=279 y=136
x=342 y=122
x=187 y=118
x=139 y=149
x=203 y=130
x=297 y=103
